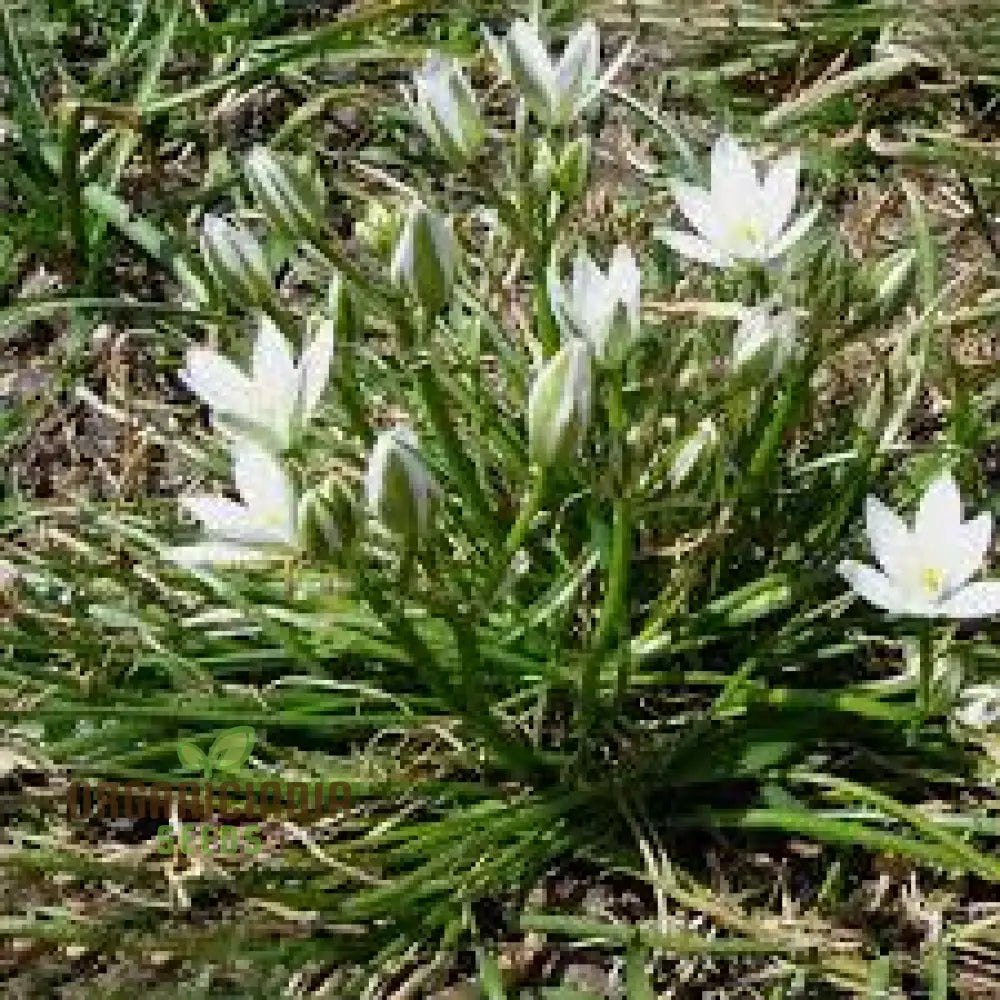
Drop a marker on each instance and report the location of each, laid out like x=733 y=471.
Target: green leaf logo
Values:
x=229 y=751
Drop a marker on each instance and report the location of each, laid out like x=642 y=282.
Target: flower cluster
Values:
x=263 y=415
x=744 y=220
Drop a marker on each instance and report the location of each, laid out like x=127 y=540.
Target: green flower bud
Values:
x=236 y=261
x=425 y=258
x=326 y=519
x=573 y=169
x=398 y=487
x=291 y=197
x=559 y=404
x=543 y=168
x=379 y=229
x=445 y=108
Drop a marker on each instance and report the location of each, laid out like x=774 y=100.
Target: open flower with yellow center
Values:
x=926 y=570
x=740 y=217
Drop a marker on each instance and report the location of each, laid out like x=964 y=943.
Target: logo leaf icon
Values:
x=191 y=756
x=231 y=748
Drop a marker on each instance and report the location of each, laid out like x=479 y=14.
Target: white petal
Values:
x=531 y=67
x=266 y=489
x=275 y=378
x=218 y=515
x=314 y=368
x=778 y=193
x=591 y=304
x=218 y=382
x=794 y=232
x=604 y=80
x=873 y=586
x=968 y=549
x=889 y=537
x=218 y=554
x=699 y=208
x=977 y=600
x=940 y=507
x=735 y=185
x=578 y=66
x=732 y=165
x=625 y=282
x=691 y=246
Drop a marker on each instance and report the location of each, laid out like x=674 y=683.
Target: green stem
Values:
x=515 y=537
x=458 y=462
x=73 y=116
x=926 y=669
x=545 y=324
x=612 y=623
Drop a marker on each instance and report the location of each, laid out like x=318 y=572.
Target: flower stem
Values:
x=460 y=465
x=515 y=538
x=926 y=670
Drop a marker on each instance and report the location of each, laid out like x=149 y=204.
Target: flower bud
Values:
x=398 y=487
x=560 y=403
x=291 y=198
x=445 y=108
x=378 y=230
x=573 y=169
x=325 y=519
x=603 y=308
x=236 y=261
x=543 y=167
x=425 y=258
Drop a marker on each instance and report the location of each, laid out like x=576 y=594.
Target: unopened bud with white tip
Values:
x=292 y=198
x=559 y=405
x=425 y=258
x=399 y=488
x=236 y=261
x=445 y=108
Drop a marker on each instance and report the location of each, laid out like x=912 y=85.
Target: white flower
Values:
x=425 y=257
x=604 y=309
x=926 y=570
x=445 y=108
x=262 y=527
x=764 y=329
x=559 y=403
x=979 y=706
x=398 y=486
x=740 y=217
x=278 y=397
x=556 y=92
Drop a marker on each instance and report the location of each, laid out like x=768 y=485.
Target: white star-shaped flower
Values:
x=557 y=91
x=602 y=308
x=277 y=397
x=926 y=570
x=262 y=527
x=740 y=217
